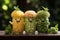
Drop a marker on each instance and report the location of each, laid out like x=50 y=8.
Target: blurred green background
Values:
x=7 y=6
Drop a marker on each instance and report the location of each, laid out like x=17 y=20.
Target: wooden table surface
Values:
x=2 y=33
x=39 y=36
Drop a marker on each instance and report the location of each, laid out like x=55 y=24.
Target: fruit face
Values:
x=17 y=21
x=30 y=23
x=42 y=21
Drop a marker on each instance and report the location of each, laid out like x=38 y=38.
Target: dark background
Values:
x=52 y=5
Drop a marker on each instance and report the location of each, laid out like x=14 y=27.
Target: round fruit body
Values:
x=42 y=19
x=30 y=22
x=17 y=21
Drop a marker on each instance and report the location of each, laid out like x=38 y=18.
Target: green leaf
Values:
x=46 y=9
x=8 y=30
x=16 y=8
x=56 y=26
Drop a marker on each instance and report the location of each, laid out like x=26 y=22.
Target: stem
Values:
x=56 y=25
x=16 y=8
x=46 y=9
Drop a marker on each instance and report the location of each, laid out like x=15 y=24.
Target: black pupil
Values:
x=30 y=20
x=42 y=21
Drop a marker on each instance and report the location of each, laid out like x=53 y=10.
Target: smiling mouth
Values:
x=18 y=21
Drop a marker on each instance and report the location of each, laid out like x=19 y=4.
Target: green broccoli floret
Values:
x=42 y=19
x=8 y=29
x=53 y=30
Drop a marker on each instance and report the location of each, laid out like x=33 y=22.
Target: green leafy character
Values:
x=42 y=20
x=30 y=23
